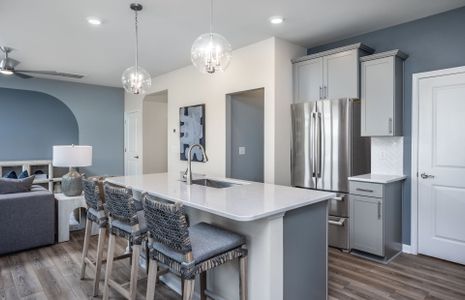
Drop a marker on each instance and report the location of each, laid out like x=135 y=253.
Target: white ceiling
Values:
x=54 y=34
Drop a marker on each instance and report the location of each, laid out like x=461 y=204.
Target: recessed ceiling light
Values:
x=276 y=20
x=94 y=21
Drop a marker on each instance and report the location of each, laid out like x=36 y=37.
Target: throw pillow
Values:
x=23 y=174
x=9 y=186
x=11 y=175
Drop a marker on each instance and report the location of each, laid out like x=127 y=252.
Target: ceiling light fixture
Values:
x=211 y=52
x=275 y=20
x=135 y=79
x=94 y=21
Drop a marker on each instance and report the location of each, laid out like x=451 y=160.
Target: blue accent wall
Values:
x=32 y=122
x=98 y=110
x=433 y=43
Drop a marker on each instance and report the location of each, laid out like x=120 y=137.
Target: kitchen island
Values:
x=286 y=230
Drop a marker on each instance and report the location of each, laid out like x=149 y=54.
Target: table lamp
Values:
x=72 y=156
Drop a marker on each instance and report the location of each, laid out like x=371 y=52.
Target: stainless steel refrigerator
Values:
x=326 y=149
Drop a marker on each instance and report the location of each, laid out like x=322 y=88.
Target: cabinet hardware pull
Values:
x=390 y=125
x=136 y=156
x=325 y=92
x=364 y=190
x=321 y=92
x=379 y=210
x=337 y=223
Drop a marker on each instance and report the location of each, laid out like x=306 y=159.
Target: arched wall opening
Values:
x=31 y=123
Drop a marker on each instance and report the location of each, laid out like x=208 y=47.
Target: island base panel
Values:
x=306 y=253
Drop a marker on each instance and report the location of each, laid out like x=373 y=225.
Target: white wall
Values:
x=283 y=93
x=155 y=133
x=254 y=66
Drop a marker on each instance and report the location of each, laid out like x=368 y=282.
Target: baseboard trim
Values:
x=407 y=249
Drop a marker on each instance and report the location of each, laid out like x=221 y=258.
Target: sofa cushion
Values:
x=23 y=174
x=11 y=175
x=9 y=186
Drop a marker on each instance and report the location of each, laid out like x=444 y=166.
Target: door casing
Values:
x=415 y=148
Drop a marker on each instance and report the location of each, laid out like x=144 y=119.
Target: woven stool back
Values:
x=92 y=193
x=120 y=204
x=167 y=223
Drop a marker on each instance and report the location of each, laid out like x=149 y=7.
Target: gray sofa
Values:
x=27 y=220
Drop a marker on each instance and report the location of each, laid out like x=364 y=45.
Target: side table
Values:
x=66 y=205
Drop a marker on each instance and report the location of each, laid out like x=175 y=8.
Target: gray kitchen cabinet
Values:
x=375 y=219
x=331 y=74
x=382 y=93
x=367 y=224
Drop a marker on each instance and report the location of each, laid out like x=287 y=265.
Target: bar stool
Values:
x=93 y=194
x=188 y=251
x=126 y=220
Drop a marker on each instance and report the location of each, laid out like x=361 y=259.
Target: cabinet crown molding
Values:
x=384 y=54
x=360 y=46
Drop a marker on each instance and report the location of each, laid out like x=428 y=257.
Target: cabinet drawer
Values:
x=366 y=189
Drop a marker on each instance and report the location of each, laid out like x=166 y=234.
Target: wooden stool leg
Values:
x=110 y=256
x=134 y=271
x=203 y=285
x=98 y=264
x=243 y=278
x=85 y=248
x=188 y=292
x=151 y=279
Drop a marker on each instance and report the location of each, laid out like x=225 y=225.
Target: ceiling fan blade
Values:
x=52 y=73
x=23 y=76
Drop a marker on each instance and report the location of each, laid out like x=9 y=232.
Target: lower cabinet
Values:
x=376 y=218
x=367 y=224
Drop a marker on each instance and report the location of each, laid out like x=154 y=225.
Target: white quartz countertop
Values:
x=248 y=201
x=378 y=178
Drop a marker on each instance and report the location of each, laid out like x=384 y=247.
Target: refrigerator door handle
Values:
x=319 y=145
x=313 y=149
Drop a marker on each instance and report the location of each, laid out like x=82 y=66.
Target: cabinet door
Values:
x=308 y=80
x=366 y=221
x=341 y=75
x=378 y=97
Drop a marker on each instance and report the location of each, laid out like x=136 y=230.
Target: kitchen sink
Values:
x=214 y=183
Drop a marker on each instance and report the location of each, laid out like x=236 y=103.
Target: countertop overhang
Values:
x=247 y=201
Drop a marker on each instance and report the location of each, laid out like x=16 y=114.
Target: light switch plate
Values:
x=241 y=150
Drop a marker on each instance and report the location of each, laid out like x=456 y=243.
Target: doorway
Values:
x=438 y=189
x=245 y=135
x=155 y=133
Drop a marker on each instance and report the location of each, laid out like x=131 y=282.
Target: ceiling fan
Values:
x=7 y=67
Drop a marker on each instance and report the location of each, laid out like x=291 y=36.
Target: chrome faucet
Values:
x=188 y=173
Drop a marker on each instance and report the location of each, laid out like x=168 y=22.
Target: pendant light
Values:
x=211 y=52
x=135 y=79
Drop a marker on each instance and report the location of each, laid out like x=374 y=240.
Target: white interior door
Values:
x=441 y=167
x=133 y=143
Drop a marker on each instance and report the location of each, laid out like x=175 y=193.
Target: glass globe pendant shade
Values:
x=136 y=80
x=211 y=52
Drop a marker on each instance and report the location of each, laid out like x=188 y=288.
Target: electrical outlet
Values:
x=241 y=150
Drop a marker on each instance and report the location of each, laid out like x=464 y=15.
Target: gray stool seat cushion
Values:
x=207 y=241
x=97 y=216
x=135 y=230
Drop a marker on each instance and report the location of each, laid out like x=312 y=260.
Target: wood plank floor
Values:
x=406 y=277
x=53 y=273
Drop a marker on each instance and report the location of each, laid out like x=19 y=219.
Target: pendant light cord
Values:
x=137 y=40
x=211 y=16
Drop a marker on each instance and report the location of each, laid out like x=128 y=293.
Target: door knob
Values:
x=426 y=176
x=136 y=156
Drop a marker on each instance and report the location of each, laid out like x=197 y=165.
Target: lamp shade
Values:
x=72 y=156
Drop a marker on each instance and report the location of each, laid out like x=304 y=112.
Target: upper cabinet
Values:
x=331 y=74
x=382 y=93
